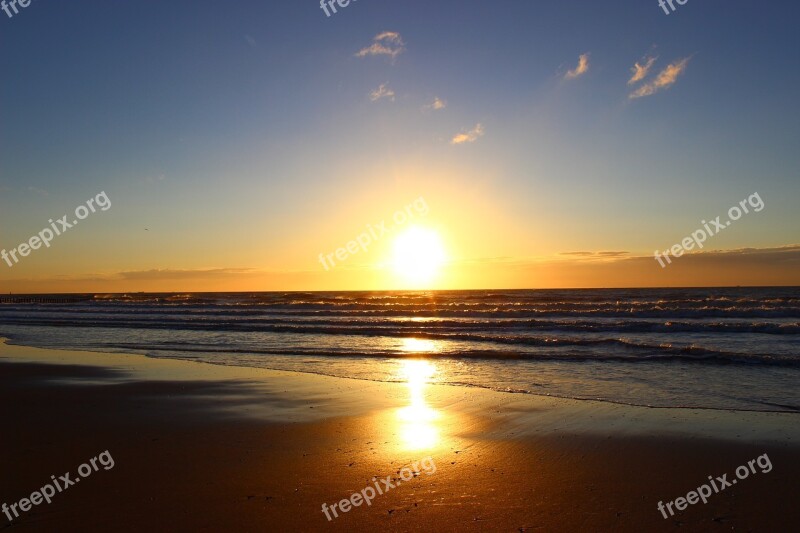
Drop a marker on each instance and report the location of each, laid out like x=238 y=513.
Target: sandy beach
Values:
x=199 y=446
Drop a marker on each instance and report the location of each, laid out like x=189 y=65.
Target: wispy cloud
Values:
x=37 y=190
x=639 y=71
x=597 y=255
x=382 y=92
x=388 y=43
x=580 y=70
x=436 y=105
x=154 y=178
x=468 y=136
x=177 y=274
x=250 y=40
x=665 y=79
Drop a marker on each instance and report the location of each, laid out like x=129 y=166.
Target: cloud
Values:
x=388 y=43
x=436 y=105
x=154 y=179
x=250 y=40
x=159 y=274
x=179 y=274
x=665 y=79
x=597 y=255
x=776 y=266
x=469 y=136
x=788 y=254
x=37 y=190
x=382 y=92
x=580 y=70
x=639 y=72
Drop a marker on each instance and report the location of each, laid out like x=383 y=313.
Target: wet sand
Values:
x=205 y=447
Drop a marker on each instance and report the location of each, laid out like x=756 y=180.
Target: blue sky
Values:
x=242 y=134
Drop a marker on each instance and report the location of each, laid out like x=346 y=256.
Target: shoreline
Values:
x=200 y=446
x=6 y=341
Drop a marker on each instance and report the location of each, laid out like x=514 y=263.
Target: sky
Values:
x=546 y=144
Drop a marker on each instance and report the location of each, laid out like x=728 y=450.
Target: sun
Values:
x=418 y=255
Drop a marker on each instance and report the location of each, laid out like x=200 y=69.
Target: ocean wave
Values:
x=666 y=354
x=562 y=300
x=307 y=310
x=345 y=324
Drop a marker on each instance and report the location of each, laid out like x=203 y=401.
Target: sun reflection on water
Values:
x=413 y=345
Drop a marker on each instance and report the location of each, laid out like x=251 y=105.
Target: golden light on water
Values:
x=418 y=346
x=417 y=427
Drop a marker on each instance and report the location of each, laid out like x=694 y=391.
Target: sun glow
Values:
x=418 y=256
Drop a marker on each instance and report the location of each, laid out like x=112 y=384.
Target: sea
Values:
x=709 y=348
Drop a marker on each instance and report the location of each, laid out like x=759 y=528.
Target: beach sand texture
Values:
x=206 y=447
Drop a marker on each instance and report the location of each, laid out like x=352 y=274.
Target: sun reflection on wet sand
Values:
x=417 y=420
